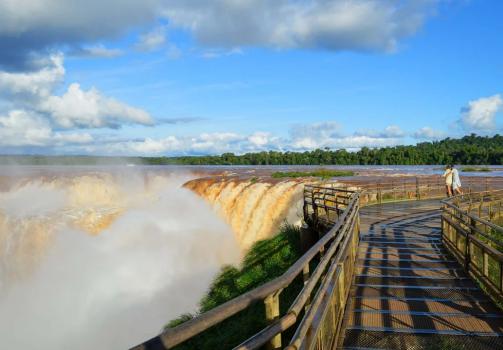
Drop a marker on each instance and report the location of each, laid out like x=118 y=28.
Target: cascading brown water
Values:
x=254 y=210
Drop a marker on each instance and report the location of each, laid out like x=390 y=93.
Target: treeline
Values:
x=469 y=150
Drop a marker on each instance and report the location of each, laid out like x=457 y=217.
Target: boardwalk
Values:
x=397 y=287
x=408 y=293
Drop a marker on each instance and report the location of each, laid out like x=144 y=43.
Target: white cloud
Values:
x=302 y=138
x=481 y=113
x=314 y=135
x=31 y=27
x=89 y=109
x=216 y=142
x=260 y=139
x=76 y=108
x=33 y=86
x=36 y=27
x=152 y=40
x=328 y=134
x=20 y=128
x=205 y=143
x=392 y=131
x=427 y=133
x=149 y=146
x=328 y=24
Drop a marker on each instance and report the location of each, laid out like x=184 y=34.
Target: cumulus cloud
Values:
x=206 y=143
x=30 y=29
x=34 y=29
x=329 y=134
x=480 y=114
x=76 y=108
x=33 y=86
x=392 y=131
x=90 y=109
x=149 y=145
x=202 y=144
x=309 y=136
x=302 y=137
x=365 y=25
x=260 y=139
x=427 y=133
x=20 y=128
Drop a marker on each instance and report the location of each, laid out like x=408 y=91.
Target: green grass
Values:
x=266 y=260
x=323 y=173
x=476 y=169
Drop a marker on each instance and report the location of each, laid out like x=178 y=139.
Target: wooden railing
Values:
x=323 y=204
x=474 y=239
x=313 y=319
x=316 y=313
x=416 y=188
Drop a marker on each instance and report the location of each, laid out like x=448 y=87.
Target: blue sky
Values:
x=204 y=77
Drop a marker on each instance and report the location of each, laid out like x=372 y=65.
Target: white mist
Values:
x=118 y=288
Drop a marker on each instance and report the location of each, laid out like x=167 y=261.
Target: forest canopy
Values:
x=468 y=150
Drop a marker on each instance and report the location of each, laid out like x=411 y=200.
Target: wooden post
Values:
x=322 y=251
x=341 y=286
x=305 y=210
x=501 y=276
x=272 y=314
x=470 y=234
x=418 y=192
x=486 y=263
x=305 y=276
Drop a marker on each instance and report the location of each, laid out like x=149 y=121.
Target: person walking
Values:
x=456 y=181
x=448 y=180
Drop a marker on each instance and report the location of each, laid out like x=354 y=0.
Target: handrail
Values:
x=328 y=205
x=473 y=240
x=343 y=233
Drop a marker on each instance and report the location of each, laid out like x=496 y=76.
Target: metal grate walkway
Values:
x=408 y=293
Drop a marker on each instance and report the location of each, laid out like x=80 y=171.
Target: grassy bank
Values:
x=266 y=260
x=323 y=173
x=476 y=169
